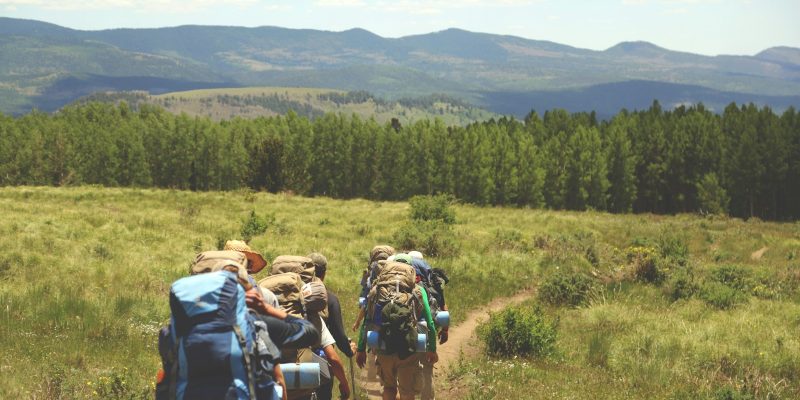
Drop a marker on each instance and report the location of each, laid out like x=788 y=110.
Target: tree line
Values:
x=744 y=162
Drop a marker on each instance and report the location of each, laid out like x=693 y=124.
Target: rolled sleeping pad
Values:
x=374 y=340
x=442 y=319
x=421 y=342
x=301 y=375
x=362 y=302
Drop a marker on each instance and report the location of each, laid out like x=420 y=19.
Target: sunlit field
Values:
x=677 y=307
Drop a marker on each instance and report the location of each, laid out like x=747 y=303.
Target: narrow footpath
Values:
x=463 y=340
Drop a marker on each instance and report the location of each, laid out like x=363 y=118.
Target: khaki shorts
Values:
x=405 y=375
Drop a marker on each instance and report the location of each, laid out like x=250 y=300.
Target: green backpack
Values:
x=392 y=308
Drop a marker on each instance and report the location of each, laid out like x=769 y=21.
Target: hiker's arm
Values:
x=336 y=327
x=278 y=374
x=255 y=301
x=361 y=313
x=338 y=371
x=291 y=331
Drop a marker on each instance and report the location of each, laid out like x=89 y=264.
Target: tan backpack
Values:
x=315 y=297
x=288 y=288
x=303 y=266
x=213 y=261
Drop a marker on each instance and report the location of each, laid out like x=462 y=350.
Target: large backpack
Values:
x=288 y=288
x=303 y=266
x=299 y=291
x=301 y=294
x=433 y=280
x=213 y=347
x=392 y=308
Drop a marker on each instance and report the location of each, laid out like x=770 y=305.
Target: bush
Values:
x=519 y=331
x=673 y=247
x=432 y=208
x=569 y=289
x=432 y=238
x=255 y=225
x=682 y=285
x=733 y=276
x=722 y=296
x=643 y=265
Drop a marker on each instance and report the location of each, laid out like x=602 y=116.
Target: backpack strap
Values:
x=173 y=372
x=247 y=364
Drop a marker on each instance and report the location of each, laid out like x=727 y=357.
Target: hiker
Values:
x=334 y=325
x=301 y=293
x=265 y=303
x=428 y=278
x=197 y=347
x=377 y=254
x=393 y=303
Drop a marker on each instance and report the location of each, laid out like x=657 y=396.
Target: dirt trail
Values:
x=756 y=255
x=462 y=340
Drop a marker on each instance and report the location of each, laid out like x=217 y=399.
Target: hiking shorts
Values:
x=405 y=375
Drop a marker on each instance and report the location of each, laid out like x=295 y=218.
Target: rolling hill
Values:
x=493 y=71
x=252 y=102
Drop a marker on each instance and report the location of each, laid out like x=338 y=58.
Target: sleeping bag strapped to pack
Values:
x=392 y=309
x=212 y=348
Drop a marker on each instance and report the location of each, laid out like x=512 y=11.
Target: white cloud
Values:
x=675 y=11
x=137 y=5
x=340 y=3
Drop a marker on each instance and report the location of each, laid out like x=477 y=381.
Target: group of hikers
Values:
x=230 y=337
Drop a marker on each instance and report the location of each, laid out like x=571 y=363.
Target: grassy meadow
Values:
x=677 y=307
x=206 y=102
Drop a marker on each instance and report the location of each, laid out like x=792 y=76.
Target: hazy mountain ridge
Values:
x=35 y=55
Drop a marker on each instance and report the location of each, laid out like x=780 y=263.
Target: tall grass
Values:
x=85 y=274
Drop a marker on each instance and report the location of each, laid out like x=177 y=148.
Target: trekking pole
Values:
x=353 y=379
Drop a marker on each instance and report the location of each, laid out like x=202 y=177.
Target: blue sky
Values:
x=700 y=26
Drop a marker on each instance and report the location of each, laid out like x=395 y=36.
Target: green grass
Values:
x=85 y=274
x=204 y=102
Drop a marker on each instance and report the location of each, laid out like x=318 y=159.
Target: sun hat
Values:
x=403 y=258
x=256 y=260
x=415 y=254
x=381 y=252
x=319 y=260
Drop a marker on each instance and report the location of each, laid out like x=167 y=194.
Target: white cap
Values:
x=415 y=254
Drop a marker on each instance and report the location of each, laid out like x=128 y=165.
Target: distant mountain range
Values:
x=44 y=65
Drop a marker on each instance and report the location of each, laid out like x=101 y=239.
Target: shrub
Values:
x=432 y=208
x=519 y=331
x=733 y=276
x=255 y=225
x=567 y=289
x=430 y=237
x=672 y=246
x=722 y=296
x=682 y=285
x=643 y=264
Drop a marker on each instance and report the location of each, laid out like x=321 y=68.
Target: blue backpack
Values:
x=212 y=348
